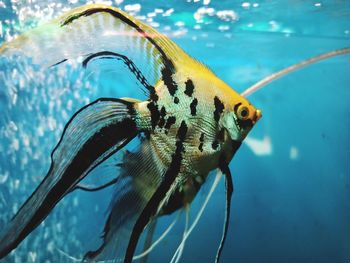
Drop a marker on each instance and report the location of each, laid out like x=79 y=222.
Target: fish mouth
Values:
x=257 y=116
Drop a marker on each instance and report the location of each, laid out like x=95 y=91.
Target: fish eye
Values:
x=242 y=113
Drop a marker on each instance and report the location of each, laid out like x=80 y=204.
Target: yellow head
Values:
x=239 y=118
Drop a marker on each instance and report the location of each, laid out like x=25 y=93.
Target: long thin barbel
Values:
x=199 y=215
x=292 y=68
x=165 y=233
x=137 y=257
x=148 y=240
x=187 y=216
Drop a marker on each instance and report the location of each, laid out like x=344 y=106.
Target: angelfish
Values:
x=191 y=123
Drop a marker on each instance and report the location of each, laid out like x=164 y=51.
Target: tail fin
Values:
x=92 y=135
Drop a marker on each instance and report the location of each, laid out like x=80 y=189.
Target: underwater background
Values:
x=292 y=175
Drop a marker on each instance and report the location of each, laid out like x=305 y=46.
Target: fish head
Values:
x=239 y=118
x=237 y=115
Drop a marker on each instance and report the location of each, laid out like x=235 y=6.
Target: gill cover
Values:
x=238 y=124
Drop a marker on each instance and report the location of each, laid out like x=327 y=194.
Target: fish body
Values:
x=191 y=123
x=202 y=103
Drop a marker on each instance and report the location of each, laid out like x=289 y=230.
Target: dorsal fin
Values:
x=92 y=31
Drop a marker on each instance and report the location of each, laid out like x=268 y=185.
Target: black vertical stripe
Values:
x=219 y=108
x=189 y=87
x=193 y=107
x=168 y=80
x=161 y=122
x=155 y=114
x=159 y=195
x=201 y=144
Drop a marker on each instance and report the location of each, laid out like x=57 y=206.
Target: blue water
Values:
x=291 y=203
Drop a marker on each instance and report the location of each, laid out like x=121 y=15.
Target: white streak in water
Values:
x=259 y=147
